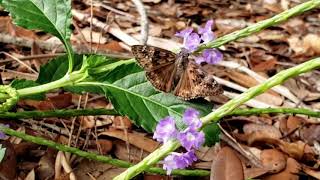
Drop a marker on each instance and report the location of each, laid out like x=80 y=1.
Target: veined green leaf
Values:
x=132 y=95
x=51 y=16
x=57 y=68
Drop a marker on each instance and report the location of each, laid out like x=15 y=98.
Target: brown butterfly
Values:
x=168 y=72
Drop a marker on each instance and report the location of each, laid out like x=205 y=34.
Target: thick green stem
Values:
x=58 y=113
x=257 y=27
x=95 y=112
x=67 y=80
x=93 y=156
x=257 y=111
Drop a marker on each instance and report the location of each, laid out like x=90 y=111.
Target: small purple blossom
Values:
x=3 y=135
x=191 y=138
x=178 y=161
x=211 y=56
x=184 y=33
x=191 y=118
x=190 y=157
x=165 y=130
x=192 y=40
x=206 y=33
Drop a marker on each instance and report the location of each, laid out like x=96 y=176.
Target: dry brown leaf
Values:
x=227 y=166
x=55 y=102
x=290 y=173
x=105 y=146
x=260 y=132
x=8 y=164
x=294 y=150
x=270 y=97
x=312 y=42
x=310 y=134
x=122 y=122
x=131 y=153
x=156 y=177
x=241 y=78
x=273 y=160
x=294 y=122
x=137 y=139
x=31 y=175
x=208 y=153
x=88 y=169
x=296 y=44
x=251 y=173
x=265 y=65
x=45 y=168
x=311 y=172
x=23 y=148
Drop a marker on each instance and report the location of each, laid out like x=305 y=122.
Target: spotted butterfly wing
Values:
x=158 y=63
x=163 y=71
x=195 y=82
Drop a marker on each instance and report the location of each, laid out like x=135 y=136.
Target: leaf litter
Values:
x=287 y=146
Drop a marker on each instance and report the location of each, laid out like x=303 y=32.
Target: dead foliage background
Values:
x=264 y=147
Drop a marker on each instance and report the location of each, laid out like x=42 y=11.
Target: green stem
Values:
x=58 y=113
x=261 y=88
x=95 y=112
x=93 y=156
x=70 y=55
x=67 y=80
x=254 y=111
x=257 y=27
x=109 y=67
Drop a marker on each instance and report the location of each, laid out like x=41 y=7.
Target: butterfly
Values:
x=179 y=73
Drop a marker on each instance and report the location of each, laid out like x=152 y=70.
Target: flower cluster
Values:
x=189 y=138
x=192 y=40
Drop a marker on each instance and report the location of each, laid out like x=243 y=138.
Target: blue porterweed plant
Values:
x=190 y=138
x=121 y=82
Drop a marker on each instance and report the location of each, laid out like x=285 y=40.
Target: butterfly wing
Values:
x=158 y=63
x=152 y=58
x=195 y=82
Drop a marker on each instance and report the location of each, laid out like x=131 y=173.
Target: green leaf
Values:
x=57 y=68
x=2 y=152
x=211 y=132
x=23 y=83
x=51 y=16
x=132 y=95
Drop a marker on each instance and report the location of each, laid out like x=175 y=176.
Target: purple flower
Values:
x=165 y=130
x=206 y=33
x=190 y=157
x=192 y=42
x=210 y=56
x=191 y=118
x=178 y=161
x=184 y=33
x=191 y=138
x=3 y=135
